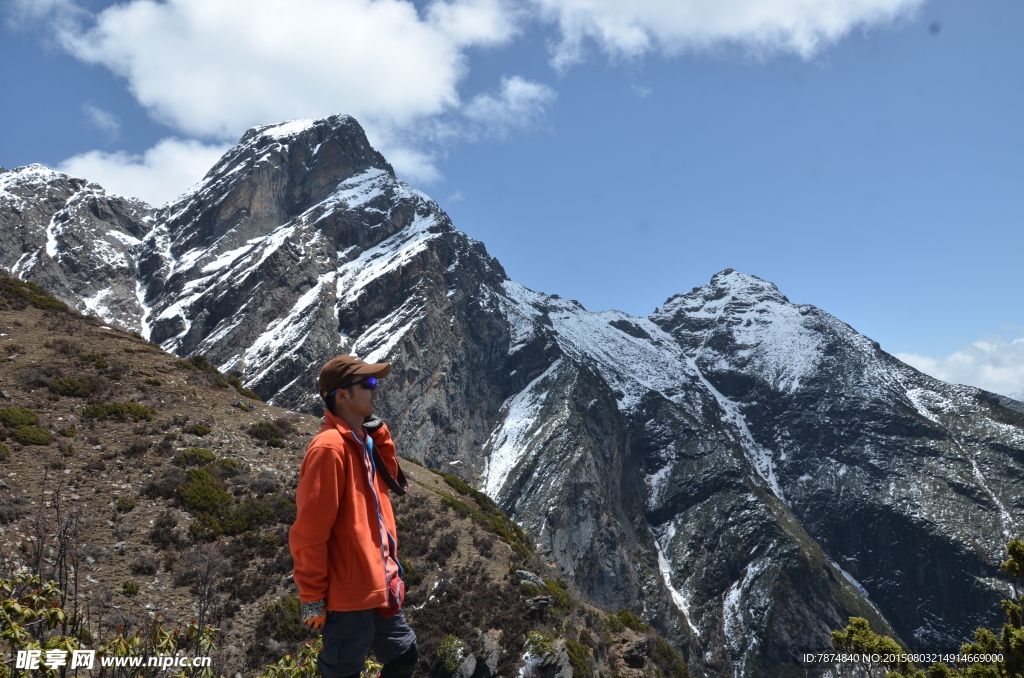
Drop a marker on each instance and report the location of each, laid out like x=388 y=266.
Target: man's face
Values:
x=357 y=399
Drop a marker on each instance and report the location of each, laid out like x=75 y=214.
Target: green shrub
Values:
x=579 y=658
x=510 y=533
x=626 y=619
x=457 y=483
x=19 y=293
x=449 y=653
x=205 y=526
x=242 y=390
x=194 y=456
x=5 y=452
x=410 y=575
x=532 y=590
x=101 y=363
x=559 y=593
x=32 y=435
x=539 y=645
x=275 y=442
x=73 y=387
x=267 y=430
x=216 y=512
x=412 y=461
x=152 y=381
x=200 y=363
x=284 y=510
x=464 y=488
x=125 y=504
x=285 y=616
x=199 y=429
x=185 y=365
x=18 y=416
x=271 y=540
x=230 y=465
x=461 y=507
x=130 y=588
x=48 y=301
x=119 y=411
x=252 y=512
x=68 y=432
x=668 y=661
x=201 y=492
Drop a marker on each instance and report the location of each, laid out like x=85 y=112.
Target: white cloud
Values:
x=519 y=104
x=105 y=121
x=996 y=365
x=159 y=175
x=214 y=68
x=211 y=69
x=414 y=165
x=627 y=30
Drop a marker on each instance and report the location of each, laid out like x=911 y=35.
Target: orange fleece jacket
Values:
x=335 y=541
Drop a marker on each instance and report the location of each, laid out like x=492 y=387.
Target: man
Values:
x=344 y=543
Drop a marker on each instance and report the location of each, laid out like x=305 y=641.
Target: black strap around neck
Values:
x=399 y=486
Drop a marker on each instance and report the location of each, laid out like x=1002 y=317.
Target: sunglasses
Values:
x=369 y=383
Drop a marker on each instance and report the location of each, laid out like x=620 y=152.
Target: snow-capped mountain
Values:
x=70 y=236
x=745 y=471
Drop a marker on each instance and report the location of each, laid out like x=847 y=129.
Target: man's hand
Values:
x=372 y=423
x=314 y=614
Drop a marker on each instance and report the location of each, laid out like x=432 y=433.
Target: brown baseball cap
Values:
x=345 y=369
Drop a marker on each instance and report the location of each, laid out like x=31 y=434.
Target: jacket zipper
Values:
x=381 y=525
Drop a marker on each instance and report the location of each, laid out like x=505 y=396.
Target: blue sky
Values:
x=867 y=156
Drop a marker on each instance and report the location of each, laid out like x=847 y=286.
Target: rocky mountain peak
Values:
x=72 y=237
x=273 y=174
x=737 y=316
x=727 y=293
x=32 y=177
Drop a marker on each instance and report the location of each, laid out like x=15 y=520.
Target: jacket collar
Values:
x=340 y=424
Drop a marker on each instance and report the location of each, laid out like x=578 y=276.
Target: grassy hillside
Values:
x=156 y=490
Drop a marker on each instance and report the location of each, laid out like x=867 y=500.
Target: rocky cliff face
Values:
x=745 y=471
x=70 y=236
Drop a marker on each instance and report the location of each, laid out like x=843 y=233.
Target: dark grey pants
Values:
x=348 y=636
